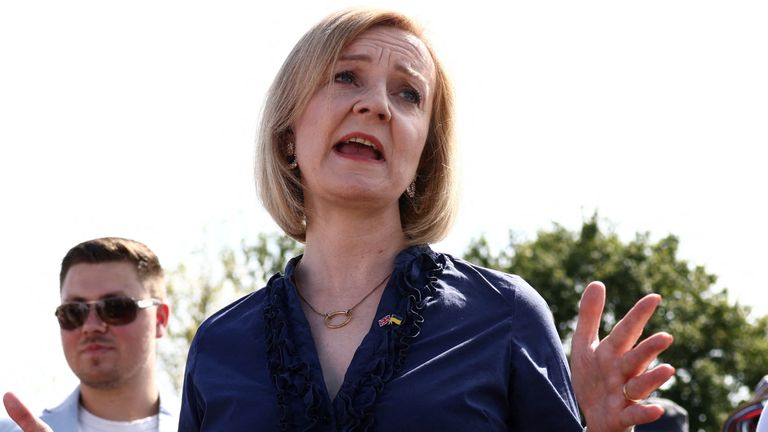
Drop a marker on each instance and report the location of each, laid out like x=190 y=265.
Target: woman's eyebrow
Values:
x=400 y=66
x=356 y=57
x=408 y=70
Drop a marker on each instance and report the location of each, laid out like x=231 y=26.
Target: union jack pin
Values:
x=390 y=319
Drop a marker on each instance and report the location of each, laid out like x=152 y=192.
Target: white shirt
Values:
x=87 y=422
x=762 y=426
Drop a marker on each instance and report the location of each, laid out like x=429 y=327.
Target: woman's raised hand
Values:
x=611 y=376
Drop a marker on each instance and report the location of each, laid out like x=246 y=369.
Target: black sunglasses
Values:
x=115 y=311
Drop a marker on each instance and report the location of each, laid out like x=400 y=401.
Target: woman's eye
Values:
x=411 y=95
x=345 y=77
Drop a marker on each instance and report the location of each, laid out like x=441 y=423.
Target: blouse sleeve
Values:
x=542 y=397
x=190 y=417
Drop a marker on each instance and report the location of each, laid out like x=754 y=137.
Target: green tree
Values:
x=195 y=295
x=719 y=352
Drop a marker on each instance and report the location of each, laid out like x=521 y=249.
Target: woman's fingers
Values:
x=636 y=414
x=628 y=330
x=638 y=358
x=641 y=386
x=590 y=314
x=603 y=370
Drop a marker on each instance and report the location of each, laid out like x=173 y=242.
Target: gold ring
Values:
x=626 y=395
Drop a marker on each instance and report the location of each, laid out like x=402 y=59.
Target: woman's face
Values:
x=360 y=138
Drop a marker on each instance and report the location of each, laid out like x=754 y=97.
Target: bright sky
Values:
x=137 y=119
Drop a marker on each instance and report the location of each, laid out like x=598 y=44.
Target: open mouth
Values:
x=359 y=147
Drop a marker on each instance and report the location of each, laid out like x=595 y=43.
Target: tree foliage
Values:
x=718 y=351
x=195 y=294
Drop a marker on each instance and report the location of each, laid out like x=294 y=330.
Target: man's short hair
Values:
x=115 y=249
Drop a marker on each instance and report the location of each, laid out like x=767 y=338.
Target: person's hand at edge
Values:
x=611 y=377
x=20 y=414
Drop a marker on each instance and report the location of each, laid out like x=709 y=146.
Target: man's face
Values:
x=107 y=356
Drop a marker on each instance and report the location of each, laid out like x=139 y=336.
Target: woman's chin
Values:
x=357 y=196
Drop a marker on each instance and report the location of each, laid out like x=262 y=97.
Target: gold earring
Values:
x=411 y=190
x=292 y=162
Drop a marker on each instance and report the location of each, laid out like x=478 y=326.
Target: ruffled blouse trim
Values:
x=291 y=375
x=417 y=271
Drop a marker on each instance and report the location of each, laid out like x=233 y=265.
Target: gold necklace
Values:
x=328 y=317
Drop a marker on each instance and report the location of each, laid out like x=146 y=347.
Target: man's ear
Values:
x=162 y=315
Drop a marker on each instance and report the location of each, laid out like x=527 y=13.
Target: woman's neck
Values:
x=344 y=255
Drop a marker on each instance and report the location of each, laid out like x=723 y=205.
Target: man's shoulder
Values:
x=63 y=417
x=7 y=425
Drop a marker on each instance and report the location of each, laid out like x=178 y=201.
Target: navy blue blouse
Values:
x=469 y=349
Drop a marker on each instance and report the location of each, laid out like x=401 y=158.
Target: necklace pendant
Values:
x=329 y=318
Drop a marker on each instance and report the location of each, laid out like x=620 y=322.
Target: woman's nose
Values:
x=375 y=102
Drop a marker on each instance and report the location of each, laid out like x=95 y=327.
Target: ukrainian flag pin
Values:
x=390 y=319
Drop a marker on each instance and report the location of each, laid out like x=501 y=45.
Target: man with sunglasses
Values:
x=112 y=312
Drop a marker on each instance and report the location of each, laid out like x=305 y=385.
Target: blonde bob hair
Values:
x=428 y=216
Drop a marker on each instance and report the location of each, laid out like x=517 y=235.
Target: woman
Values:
x=370 y=329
